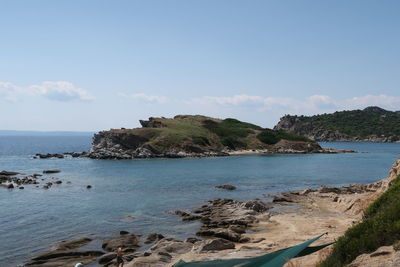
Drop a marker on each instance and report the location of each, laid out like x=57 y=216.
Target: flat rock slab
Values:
x=65 y=258
x=126 y=241
x=73 y=244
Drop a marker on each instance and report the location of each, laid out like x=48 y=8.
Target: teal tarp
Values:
x=274 y=259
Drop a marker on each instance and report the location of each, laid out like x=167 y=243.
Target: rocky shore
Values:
x=60 y=155
x=106 y=146
x=115 y=152
x=232 y=229
x=195 y=136
x=15 y=180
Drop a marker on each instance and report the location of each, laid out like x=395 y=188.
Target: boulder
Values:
x=215 y=245
x=192 y=240
x=74 y=243
x=129 y=241
x=257 y=206
x=221 y=233
x=281 y=199
x=153 y=237
x=106 y=258
x=171 y=246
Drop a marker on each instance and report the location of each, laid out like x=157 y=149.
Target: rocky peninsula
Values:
x=197 y=136
x=372 y=124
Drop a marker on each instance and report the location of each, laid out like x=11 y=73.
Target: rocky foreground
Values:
x=290 y=218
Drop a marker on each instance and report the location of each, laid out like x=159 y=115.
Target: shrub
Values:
x=270 y=137
x=380 y=227
x=200 y=140
x=231 y=131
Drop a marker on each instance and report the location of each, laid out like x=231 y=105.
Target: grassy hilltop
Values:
x=198 y=134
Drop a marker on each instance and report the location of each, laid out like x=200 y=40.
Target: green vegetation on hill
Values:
x=271 y=137
x=380 y=227
x=231 y=131
x=200 y=133
x=372 y=121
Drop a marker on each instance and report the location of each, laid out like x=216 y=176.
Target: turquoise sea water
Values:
x=134 y=195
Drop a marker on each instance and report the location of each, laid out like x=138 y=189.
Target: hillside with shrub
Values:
x=379 y=227
x=370 y=124
x=195 y=135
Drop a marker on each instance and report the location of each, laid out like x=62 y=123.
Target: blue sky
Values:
x=93 y=65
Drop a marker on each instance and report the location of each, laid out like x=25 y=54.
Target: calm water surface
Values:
x=134 y=195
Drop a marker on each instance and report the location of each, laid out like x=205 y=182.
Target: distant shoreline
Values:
x=43 y=133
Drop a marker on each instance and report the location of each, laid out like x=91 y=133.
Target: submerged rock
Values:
x=226 y=187
x=48 y=155
x=51 y=171
x=8 y=173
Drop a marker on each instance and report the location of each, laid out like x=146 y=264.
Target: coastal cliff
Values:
x=195 y=136
x=372 y=124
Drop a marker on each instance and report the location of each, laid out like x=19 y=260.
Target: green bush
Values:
x=232 y=143
x=380 y=227
x=270 y=137
x=200 y=140
x=231 y=131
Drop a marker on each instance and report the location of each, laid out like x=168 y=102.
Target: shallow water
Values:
x=134 y=195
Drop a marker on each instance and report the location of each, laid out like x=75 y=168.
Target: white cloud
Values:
x=231 y=100
x=59 y=91
x=146 y=97
x=310 y=105
x=9 y=91
x=385 y=101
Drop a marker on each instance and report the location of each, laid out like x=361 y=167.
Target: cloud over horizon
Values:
x=146 y=98
x=59 y=91
x=309 y=105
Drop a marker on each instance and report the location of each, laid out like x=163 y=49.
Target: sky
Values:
x=74 y=65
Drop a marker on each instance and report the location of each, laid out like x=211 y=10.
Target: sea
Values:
x=136 y=195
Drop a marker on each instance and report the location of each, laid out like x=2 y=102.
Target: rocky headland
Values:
x=372 y=124
x=197 y=136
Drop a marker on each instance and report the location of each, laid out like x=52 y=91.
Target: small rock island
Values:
x=196 y=136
